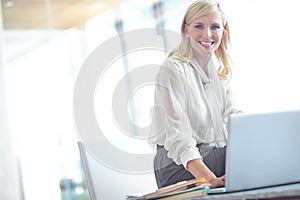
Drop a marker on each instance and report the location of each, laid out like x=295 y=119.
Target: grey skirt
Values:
x=167 y=172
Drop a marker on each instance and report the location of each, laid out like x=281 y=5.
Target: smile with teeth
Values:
x=206 y=43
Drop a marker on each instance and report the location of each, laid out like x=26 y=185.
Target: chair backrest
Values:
x=85 y=157
x=106 y=183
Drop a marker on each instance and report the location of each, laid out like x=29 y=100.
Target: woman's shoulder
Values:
x=172 y=72
x=173 y=60
x=172 y=68
x=174 y=64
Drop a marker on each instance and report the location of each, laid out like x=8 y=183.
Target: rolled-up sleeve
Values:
x=175 y=133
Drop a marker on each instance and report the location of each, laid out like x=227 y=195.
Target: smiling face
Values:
x=205 y=34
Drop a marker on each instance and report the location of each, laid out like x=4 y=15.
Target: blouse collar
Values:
x=212 y=70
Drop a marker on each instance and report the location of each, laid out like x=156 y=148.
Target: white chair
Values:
x=105 y=183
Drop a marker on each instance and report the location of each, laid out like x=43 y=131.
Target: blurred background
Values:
x=43 y=44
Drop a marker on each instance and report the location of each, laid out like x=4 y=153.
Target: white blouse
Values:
x=190 y=108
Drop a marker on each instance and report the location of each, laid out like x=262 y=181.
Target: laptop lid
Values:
x=263 y=150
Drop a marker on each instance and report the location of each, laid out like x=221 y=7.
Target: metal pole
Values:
x=48 y=9
x=158 y=12
x=119 y=28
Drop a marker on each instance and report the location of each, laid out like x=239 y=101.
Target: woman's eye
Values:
x=199 y=26
x=215 y=27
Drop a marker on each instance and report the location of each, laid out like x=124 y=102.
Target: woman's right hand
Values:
x=218 y=182
x=200 y=170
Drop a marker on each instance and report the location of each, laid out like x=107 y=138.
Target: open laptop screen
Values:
x=263 y=150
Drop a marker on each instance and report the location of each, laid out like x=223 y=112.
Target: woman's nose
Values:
x=207 y=32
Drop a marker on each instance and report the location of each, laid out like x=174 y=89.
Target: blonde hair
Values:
x=184 y=51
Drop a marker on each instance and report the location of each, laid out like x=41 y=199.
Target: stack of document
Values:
x=181 y=190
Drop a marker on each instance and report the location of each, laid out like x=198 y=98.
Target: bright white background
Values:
x=41 y=67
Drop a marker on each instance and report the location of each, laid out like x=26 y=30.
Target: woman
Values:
x=193 y=100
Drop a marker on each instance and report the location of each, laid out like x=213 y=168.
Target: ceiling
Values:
x=51 y=14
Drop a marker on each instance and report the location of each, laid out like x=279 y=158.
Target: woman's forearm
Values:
x=198 y=169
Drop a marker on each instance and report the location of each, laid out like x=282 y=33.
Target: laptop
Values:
x=262 y=151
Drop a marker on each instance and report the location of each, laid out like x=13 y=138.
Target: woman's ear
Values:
x=186 y=30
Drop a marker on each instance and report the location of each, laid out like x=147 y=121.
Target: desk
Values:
x=291 y=191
